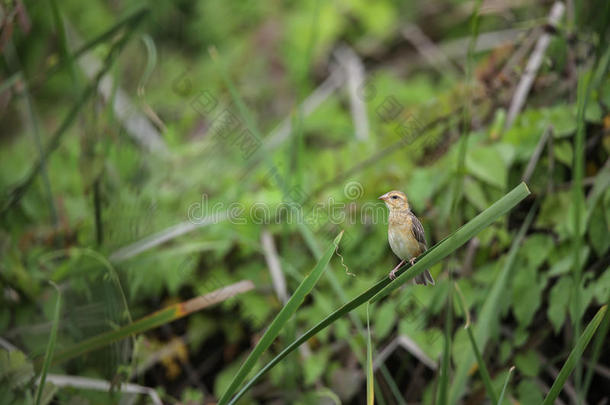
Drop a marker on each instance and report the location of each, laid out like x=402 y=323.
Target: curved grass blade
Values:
x=154 y=320
x=574 y=357
x=489 y=311
x=48 y=357
x=370 y=381
x=492 y=213
x=482 y=367
x=458 y=238
x=280 y=320
x=510 y=372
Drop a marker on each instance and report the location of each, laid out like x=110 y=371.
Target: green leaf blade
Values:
x=280 y=320
x=574 y=357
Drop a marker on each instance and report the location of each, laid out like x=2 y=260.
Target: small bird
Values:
x=405 y=234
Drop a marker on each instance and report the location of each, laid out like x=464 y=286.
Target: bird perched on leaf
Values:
x=405 y=234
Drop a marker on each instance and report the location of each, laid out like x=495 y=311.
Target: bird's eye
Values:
x=394 y=197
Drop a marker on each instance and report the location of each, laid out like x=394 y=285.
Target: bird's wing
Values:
x=418 y=231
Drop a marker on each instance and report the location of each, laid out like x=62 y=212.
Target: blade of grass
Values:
x=443 y=382
x=154 y=320
x=578 y=206
x=48 y=357
x=574 y=357
x=370 y=381
x=489 y=310
x=456 y=240
x=510 y=372
x=280 y=320
x=482 y=367
x=340 y=295
x=600 y=339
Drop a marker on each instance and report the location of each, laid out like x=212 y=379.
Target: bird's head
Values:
x=395 y=200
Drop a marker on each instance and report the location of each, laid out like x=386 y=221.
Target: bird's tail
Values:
x=424 y=279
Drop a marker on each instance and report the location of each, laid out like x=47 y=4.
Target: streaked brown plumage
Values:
x=405 y=234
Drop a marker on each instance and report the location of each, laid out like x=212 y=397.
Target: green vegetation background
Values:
x=101 y=190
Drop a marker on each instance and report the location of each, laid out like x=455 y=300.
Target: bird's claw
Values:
x=412 y=260
x=393 y=275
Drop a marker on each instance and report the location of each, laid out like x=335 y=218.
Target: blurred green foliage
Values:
x=102 y=191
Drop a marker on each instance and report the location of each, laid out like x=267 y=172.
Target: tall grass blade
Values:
x=492 y=213
x=482 y=367
x=370 y=381
x=443 y=381
x=489 y=311
x=280 y=320
x=510 y=372
x=48 y=357
x=457 y=239
x=353 y=341
x=154 y=320
x=578 y=206
x=574 y=357
x=596 y=350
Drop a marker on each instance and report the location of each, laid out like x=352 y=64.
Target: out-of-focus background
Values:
x=170 y=172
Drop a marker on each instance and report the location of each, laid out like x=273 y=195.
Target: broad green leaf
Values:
x=558 y=302
x=563 y=152
x=527 y=294
x=528 y=392
x=385 y=317
x=599 y=233
x=15 y=369
x=487 y=164
x=563 y=265
x=528 y=363
x=601 y=287
x=474 y=194
x=536 y=249
x=314 y=366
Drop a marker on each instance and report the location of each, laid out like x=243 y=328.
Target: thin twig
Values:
x=531 y=165
x=429 y=50
x=102 y=385
x=354 y=72
x=273 y=262
x=533 y=65
x=309 y=105
x=410 y=346
x=163 y=236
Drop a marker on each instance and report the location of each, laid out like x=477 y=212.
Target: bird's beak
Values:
x=383 y=197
